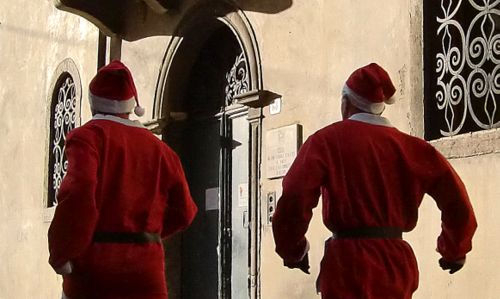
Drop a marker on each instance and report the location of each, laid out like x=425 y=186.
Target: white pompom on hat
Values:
x=369 y=88
x=113 y=90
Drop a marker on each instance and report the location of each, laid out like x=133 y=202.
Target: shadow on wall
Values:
x=265 y=6
x=151 y=24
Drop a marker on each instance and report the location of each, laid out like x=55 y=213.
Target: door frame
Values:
x=225 y=213
x=205 y=17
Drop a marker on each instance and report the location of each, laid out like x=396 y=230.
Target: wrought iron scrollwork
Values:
x=64 y=119
x=237 y=79
x=468 y=65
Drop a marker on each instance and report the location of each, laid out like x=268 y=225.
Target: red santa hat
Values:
x=113 y=90
x=369 y=88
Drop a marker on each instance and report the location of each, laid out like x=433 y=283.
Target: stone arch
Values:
x=202 y=19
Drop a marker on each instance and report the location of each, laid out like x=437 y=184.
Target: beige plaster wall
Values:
x=35 y=38
x=479 y=278
x=307 y=53
x=144 y=58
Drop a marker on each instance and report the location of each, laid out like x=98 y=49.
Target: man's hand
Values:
x=302 y=265
x=452 y=266
x=65 y=269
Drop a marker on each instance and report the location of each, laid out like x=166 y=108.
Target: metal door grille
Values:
x=237 y=81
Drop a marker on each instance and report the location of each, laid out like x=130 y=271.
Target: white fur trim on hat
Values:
x=101 y=104
x=390 y=100
x=362 y=103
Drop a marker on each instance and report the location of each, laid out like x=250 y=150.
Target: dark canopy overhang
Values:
x=111 y=16
x=135 y=19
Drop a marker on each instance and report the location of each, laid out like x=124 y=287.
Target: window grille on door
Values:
x=237 y=79
x=461 y=66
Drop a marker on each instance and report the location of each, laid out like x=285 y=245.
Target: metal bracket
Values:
x=228 y=142
x=157 y=126
x=256 y=98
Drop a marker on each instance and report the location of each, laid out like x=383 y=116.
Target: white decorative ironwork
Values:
x=237 y=79
x=63 y=121
x=468 y=68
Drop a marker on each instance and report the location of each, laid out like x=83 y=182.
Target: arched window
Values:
x=65 y=105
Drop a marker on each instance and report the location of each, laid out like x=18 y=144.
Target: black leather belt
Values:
x=369 y=232
x=126 y=237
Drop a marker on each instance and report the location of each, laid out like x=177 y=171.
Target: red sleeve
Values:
x=301 y=190
x=457 y=216
x=181 y=209
x=75 y=217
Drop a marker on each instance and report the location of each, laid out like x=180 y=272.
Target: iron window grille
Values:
x=461 y=66
x=64 y=117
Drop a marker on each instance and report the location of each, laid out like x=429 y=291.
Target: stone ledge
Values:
x=470 y=144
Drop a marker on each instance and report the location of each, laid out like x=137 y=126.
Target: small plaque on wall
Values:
x=282 y=145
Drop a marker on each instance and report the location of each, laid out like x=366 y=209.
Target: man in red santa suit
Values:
x=372 y=179
x=124 y=192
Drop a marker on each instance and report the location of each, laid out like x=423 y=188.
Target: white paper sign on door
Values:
x=243 y=195
x=212 y=199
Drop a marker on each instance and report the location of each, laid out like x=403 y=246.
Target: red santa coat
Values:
x=120 y=178
x=370 y=175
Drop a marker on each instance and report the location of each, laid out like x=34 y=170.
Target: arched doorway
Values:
x=206 y=66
